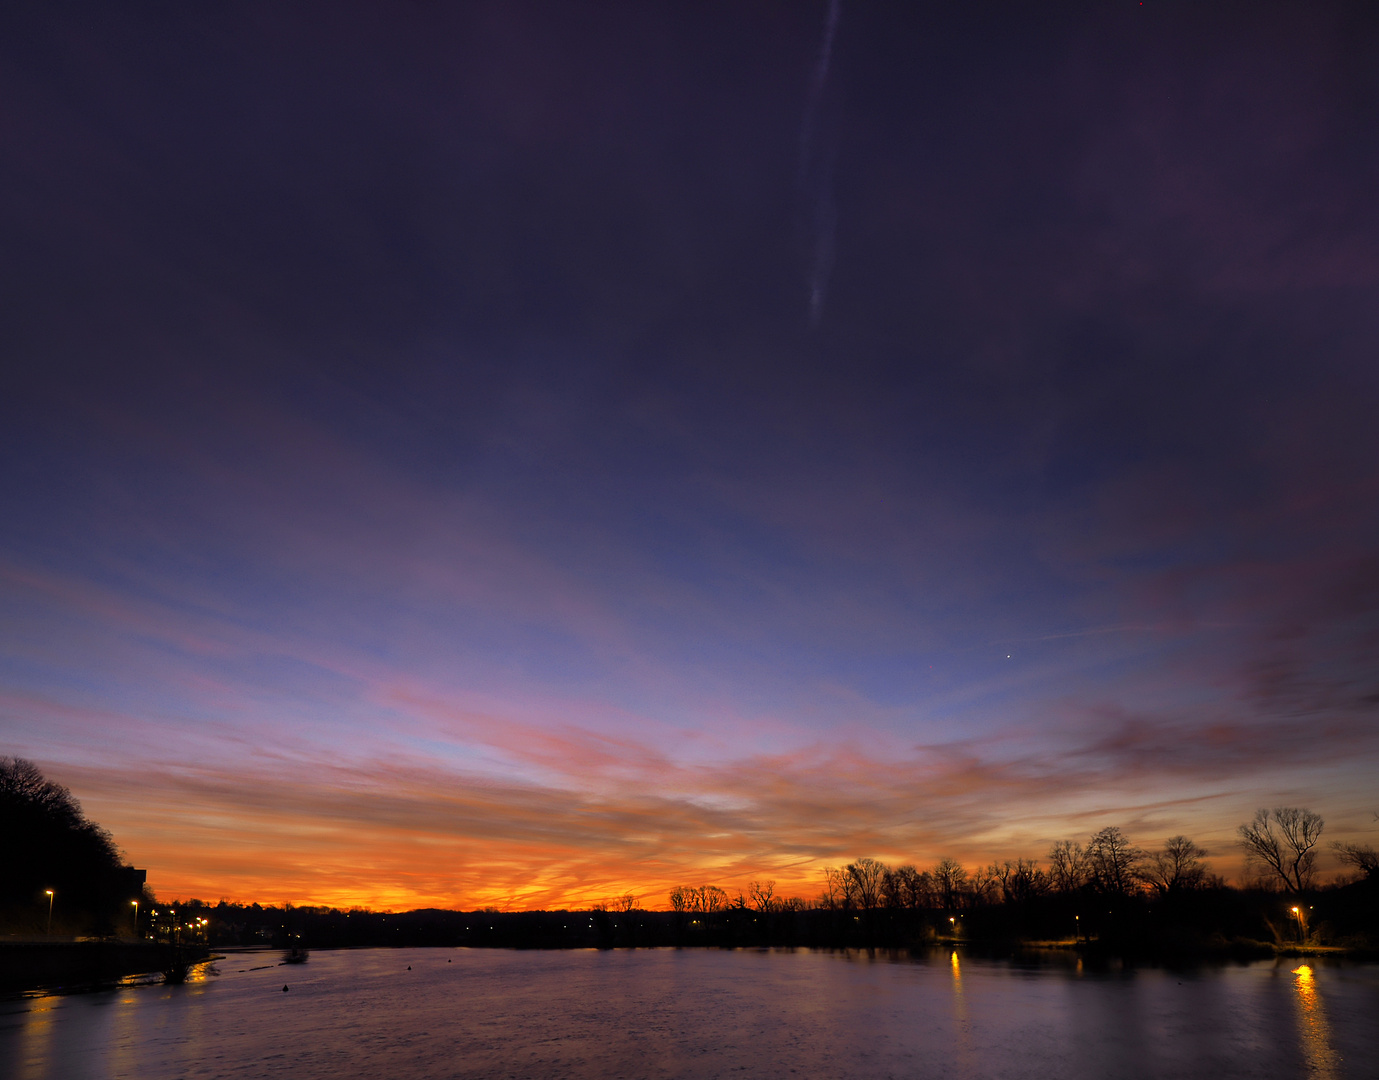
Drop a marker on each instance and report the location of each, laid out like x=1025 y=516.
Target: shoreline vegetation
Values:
x=1219 y=923
x=70 y=898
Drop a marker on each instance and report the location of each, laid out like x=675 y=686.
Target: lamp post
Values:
x=1077 y=927
x=136 y=919
x=1302 y=924
x=50 y=911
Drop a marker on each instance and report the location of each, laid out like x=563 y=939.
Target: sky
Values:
x=516 y=454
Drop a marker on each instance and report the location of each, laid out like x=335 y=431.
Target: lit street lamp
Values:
x=136 y=919
x=50 y=911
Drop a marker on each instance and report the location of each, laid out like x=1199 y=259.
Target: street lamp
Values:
x=50 y=911
x=136 y=919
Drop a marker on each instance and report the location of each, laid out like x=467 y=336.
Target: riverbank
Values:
x=1181 y=950
x=68 y=965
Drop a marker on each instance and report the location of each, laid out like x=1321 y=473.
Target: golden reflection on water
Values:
x=37 y=1032
x=1314 y=1031
x=124 y=1034
x=963 y=1062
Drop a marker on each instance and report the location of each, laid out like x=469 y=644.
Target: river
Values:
x=411 y=1013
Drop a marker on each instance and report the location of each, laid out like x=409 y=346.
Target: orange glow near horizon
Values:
x=403 y=839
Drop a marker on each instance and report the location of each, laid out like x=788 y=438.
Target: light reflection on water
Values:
x=663 y=1013
x=963 y=1059
x=1322 y=1060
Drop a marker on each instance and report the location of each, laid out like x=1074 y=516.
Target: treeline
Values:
x=1280 y=845
x=1106 y=891
x=60 y=872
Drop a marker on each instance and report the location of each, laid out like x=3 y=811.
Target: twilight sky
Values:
x=518 y=453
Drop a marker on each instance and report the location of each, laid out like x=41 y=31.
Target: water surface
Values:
x=703 y=1013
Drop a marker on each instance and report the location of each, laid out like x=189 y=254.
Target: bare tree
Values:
x=627 y=901
x=835 y=891
x=927 y=890
x=1177 y=867
x=950 y=879
x=1068 y=869
x=22 y=784
x=1021 y=880
x=892 y=891
x=762 y=894
x=1114 y=861
x=680 y=899
x=1363 y=858
x=905 y=887
x=867 y=876
x=1284 y=840
x=985 y=886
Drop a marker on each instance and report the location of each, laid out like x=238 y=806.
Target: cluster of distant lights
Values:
x=196 y=924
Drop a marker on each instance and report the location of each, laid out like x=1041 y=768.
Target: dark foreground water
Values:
x=481 y=1013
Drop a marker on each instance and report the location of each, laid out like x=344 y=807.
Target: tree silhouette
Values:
x=838 y=891
x=1362 y=857
x=1021 y=881
x=1115 y=862
x=1177 y=867
x=950 y=879
x=47 y=843
x=867 y=876
x=1284 y=840
x=985 y=885
x=1068 y=866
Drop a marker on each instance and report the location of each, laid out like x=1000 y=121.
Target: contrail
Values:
x=816 y=171
x=835 y=8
